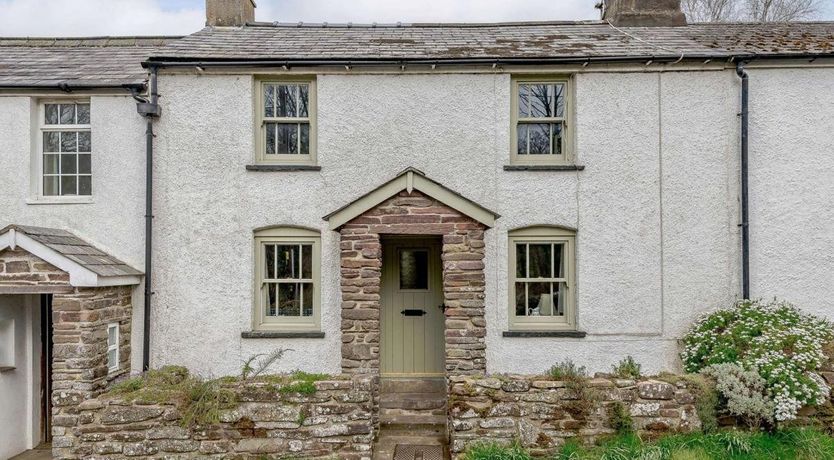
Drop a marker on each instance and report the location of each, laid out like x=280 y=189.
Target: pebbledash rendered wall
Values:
x=113 y=219
x=655 y=207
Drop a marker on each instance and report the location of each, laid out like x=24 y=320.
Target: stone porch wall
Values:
x=463 y=280
x=333 y=422
x=79 y=318
x=542 y=414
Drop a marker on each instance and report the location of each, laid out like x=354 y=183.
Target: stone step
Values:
x=412 y=401
x=414 y=429
x=413 y=385
x=397 y=418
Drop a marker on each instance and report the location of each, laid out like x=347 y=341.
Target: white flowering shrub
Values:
x=774 y=339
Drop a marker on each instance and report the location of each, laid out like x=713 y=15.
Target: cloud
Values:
x=179 y=17
x=96 y=17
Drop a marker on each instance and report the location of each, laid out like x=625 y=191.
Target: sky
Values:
x=69 y=18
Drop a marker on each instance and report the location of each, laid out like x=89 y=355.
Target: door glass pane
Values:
x=539 y=138
x=414 y=269
x=308 y=299
x=540 y=262
x=520 y=300
x=85 y=185
x=539 y=300
x=51 y=114
x=51 y=141
x=83 y=111
x=287 y=136
x=287 y=261
x=289 y=299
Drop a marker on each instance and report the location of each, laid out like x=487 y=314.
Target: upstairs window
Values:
x=542 y=273
x=287 y=284
x=539 y=115
x=286 y=122
x=65 y=147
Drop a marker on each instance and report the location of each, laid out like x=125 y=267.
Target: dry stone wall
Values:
x=333 y=422
x=542 y=414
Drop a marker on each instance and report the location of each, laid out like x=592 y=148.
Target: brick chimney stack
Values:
x=647 y=13
x=234 y=13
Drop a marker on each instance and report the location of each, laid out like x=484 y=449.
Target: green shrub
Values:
x=568 y=371
x=744 y=391
x=496 y=451
x=774 y=339
x=628 y=368
x=620 y=418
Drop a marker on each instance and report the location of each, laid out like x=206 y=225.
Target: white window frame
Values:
x=547 y=235
x=38 y=173
x=291 y=236
x=261 y=156
x=113 y=347
x=567 y=156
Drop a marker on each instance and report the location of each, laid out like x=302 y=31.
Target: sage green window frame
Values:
x=261 y=157
x=286 y=236
x=567 y=157
x=544 y=235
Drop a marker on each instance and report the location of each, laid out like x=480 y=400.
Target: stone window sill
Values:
x=61 y=200
x=544 y=167
x=535 y=334
x=269 y=168
x=282 y=334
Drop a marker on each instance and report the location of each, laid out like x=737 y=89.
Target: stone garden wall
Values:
x=333 y=421
x=542 y=414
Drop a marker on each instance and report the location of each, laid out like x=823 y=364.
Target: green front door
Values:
x=412 y=323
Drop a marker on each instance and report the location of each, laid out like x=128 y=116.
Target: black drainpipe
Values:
x=149 y=108
x=745 y=222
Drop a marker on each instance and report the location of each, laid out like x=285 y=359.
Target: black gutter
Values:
x=163 y=61
x=745 y=222
x=150 y=110
x=68 y=88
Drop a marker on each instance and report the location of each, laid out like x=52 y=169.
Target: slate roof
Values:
x=77 y=62
x=77 y=250
x=531 y=40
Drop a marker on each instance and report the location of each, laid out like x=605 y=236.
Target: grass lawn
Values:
x=791 y=444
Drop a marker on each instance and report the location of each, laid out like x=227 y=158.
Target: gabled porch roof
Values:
x=411 y=179
x=86 y=265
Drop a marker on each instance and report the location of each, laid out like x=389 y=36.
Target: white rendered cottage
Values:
x=408 y=200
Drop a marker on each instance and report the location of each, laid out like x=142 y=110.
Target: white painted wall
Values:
x=114 y=220
x=656 y=206
x=20 y=387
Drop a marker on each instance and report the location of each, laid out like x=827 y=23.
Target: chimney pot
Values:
x=234 y=13
x=646 y=13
